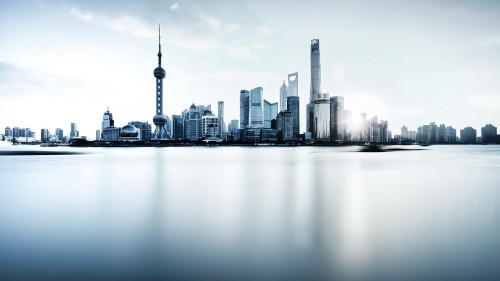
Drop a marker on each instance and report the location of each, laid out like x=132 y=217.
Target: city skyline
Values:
x=442 y=70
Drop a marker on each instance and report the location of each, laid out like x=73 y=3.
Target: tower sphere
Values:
x=160 y=120
x=159 y=73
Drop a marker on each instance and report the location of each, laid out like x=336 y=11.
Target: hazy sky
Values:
x=408 y=62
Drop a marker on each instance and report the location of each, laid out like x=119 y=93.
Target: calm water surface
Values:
x=246 y=213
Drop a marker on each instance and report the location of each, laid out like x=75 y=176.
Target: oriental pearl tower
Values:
x=160 y=120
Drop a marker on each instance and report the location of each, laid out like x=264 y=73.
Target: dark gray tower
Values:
x=160 y=120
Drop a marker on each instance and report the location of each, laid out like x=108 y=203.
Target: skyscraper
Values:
x=337 y=120
x=244 y=109
x=59 y=134
x=489 y=133
x=220 y=115
x=293 y=84
x=468 y=135
x=177 y=127
x=107 y=120
x=318 y=109
x=256 y=108
x=74 y=132
x=160 y=120
x=283 y=96
x=267 y=114
x=293 y=105
x=44 y=135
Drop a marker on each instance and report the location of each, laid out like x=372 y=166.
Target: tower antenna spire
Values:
x=159 y=46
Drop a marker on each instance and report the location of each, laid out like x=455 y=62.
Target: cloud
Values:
x=124 y=23
x=174 y=7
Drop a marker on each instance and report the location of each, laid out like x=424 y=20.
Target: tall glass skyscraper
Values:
x=337 y=120
x=293 y=84
x=244 y=109
x=256 y=108
x=293 y=106
x=283 y=96
x=267 y=114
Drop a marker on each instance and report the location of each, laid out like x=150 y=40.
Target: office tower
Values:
x=349 y=128
x=111 y=134
x=318 y=109
x=274 y=114
x=177 y=127
x=97 y=135
x=267 y=114
x=107 y=120
x=363 y=128
x=404 y=133
x=451 y=134
x=293 y=85
x=220 y=115
x=144 y=130
x=160 y=120
x=374 y=130
x=283 y=96
x=244 y=109
x=337 y=118
x=441 y=133
x=293 y=105
x=315 y=71
x=384 y=133
x=256 y=112
x=234 y=126
x=44 y=135
x=489 y=134
x=210 y=124
x=285 y=125
x=193 y=122
x=468 y=135
x=74 y=132
x=59 y=134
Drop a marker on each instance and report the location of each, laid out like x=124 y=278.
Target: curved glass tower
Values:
x=160 y=120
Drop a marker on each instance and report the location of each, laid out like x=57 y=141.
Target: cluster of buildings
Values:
x=262 y=121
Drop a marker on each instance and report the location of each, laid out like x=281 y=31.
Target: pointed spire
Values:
x=159 y=46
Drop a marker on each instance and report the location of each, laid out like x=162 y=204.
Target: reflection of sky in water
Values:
x=252 y=213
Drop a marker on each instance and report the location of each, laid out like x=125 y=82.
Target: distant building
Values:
x=193 y=121
x=144 y=129
x=374 y=130
x=111 y=134
x=489 y=134
x=441 y=133
x=244 y=109
x=220 y=118
x=293 y=85
x=468 y=135
x=60 y=134
x=283 y=96
x=285 y=125
x=293 y=105
x=74 y=132
x=267 y=114
x=404 y=133
x=384 y=131
x=337 y=122
x=8 y=133
x=129 y=132
x=107 y=120
x=451 y=135
x=256 y=108
x=97 y=135
x=177 y=127
x=233 y=126
x=45 y=135
x=210 y=126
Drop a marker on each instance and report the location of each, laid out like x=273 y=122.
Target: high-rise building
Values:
x=97 y=134
x=293 y=85
x=337 y=120
x=384 y=132
x=283 y=96
x=193 y=122
x=441 y=133
x=274 y=114
x=177 y=127
x=160 y=120
x=234 y=126
x=144 y=130
x=244 y=109
x=267 y=114
x=451 y=134
x=285 y=125
x=404 y=133
x=363 y=128
x=44 y=135
x=107 y=120
x=60 y=134
x=293 y=105
x=489 y=134
x=256 y=112
x=210 y=124
x=374 y=130
x=318 y=109
x=74 y=132
x=468 y=135
x=8 y=133
x=220 y=115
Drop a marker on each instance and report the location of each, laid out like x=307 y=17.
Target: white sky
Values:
x=409 y=62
